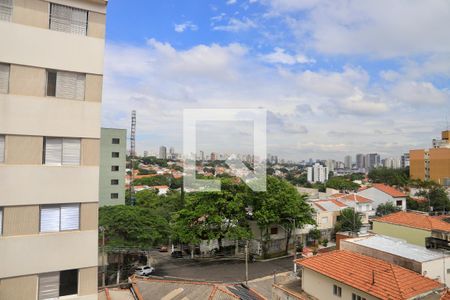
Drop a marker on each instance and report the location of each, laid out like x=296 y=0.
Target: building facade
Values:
x=317 y=173
x=163 y=152
x=113 y=147
x=432 y=164
x=51 y=74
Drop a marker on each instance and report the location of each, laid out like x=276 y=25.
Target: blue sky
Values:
x=337 y=77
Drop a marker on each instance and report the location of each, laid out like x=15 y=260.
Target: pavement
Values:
x=215 y=270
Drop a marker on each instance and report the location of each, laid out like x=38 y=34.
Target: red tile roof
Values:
x=356 y=198
x=416 y=220
x=389 y=190
x=446 y=296
x=370 y=275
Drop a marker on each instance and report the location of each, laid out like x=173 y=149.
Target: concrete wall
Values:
x=106 y=161
x=417 y=164
x=321 y=287
x=411 y=235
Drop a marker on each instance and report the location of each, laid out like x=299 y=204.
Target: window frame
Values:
x=59 y=273
x=1 y=220
x=61 y=158
x=55 y=88
x=72 y=8
x=115 y=154
x=3 y=151
x=11 y=9
x=113 y=168
x=113 y=141
x=337 y=291
x=113 y=181
x=8 y=78
x=116 y=196
x=59 y=221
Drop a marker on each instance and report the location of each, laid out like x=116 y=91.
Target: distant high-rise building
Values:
x=360 y=158
x=202 y=155
x=317 y=173
x=330 y=164
x=348 y=162
x=405 y=160
x=213 y=156
x=372 y=161
x=432 y=164
x=163 y=152
x=391 y=163
x=113 y=147
x=51 y=77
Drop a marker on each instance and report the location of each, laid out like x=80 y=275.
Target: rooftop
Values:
x=354 y=197
x=387 y=189
x=370 y=275
x=416 y=220
x=329 y=205
x=397 y=247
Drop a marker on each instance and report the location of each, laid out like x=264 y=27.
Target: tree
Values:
x=397 y=177
x=152 y=181
x=349 y=220
x=439 y=199
x=342 y=184
x=133 y=226
x=213 y=215
x=315 y=235
x=386 y=209
x=280 y=204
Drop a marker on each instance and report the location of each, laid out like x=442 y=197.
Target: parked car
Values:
x=163 y=249
x=144 y=270
x=177 y=254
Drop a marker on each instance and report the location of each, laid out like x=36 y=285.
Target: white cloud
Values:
x=420 y=93
x=185 y=26
x=381 y=28
x=279 y=56
x=236 y=25
x=231 y=2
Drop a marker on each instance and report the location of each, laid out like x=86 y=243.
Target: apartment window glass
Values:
x=399 y=202
x=114 y=181
x=324 y=220
x=4 y=77
x=63 y=217
x=274 y=230
x=114 y=196
x=116 y=141
x=2 y=149
x=67 y=85
x=357 y=297
x=62 y=151
x=6 y=8
x=115 y=154
x=68 y=19
x=114 y=168
x=337 y=290
x=58 y=284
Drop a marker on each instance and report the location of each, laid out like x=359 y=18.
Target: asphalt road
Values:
x=216 y=270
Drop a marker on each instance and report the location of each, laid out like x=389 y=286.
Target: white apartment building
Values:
x=317 y=173
x=51 y=74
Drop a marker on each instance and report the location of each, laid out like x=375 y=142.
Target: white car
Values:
x=144 y=270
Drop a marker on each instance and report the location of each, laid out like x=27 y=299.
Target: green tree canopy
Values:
x=397 y=177
x=349 y=220
x=342 y=184
x=386 y=209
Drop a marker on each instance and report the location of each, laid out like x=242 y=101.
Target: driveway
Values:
x=220 y=270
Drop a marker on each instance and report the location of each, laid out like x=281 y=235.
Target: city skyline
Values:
x=331 y=83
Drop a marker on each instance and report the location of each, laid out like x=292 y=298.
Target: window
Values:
x=274 y=230
x=2 y=148
x=324 y=220
x=57 y=284
x=62 y=151
x=357 y=297
x=67 y=85
x=6 y=8
x=114 y=181
x=337 y=290
x=62 y=217
x=115 y=154
x=114 y=168
x=114 y=196
x=116 y=141
x=4 y=77
x=1 y=220
x=399 y=203
x=68 y=19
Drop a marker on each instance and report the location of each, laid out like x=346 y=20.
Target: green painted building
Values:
x=113 y=147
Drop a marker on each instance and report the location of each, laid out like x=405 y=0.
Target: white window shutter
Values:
x=66 y=85
x=70 y=216
x=6 y=8
x=49 y=286
x=50 y=218
x=68 y=19
x=1 y=221
x=71 y=152
x=2 y=148
x=80 y=86
x=4 y=78
x=53 y=151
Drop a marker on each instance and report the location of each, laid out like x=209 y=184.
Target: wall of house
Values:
x=378 y=197
x=411 y=235
x=321 y=287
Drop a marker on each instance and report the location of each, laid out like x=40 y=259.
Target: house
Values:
x=162 y=189
x=381 y=194
x=430 y=263
x=361 y=204
x=326 y=213
x=342 y=274
x=416 y=228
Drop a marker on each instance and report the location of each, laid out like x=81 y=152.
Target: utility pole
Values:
x=295 y=250
x=246 y=263
x=102 y=229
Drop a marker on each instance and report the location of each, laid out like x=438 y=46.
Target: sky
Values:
x=337 y=77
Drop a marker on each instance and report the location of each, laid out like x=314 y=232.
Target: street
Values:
x=216 y=270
